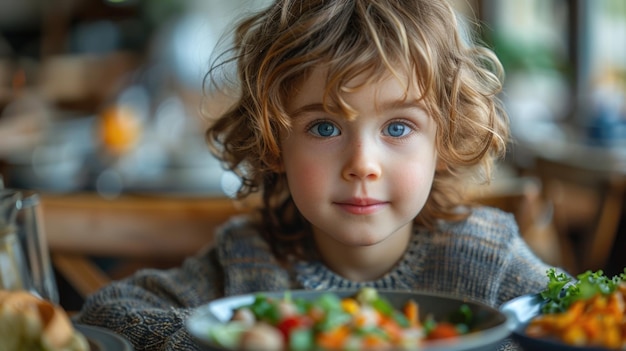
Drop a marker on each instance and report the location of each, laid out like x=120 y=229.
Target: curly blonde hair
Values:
x=276 y=49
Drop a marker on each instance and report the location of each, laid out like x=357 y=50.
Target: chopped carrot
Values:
x=316 y=314
x=443 y=330
x=333 y=339
x=374 y=342
x=367 y=317
x=391 y=328
x=411 y=311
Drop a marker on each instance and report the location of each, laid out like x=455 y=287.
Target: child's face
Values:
x=359 y=182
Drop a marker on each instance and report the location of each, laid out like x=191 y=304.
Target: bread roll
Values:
x=30 y=323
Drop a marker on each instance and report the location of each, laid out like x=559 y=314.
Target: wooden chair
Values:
x=588 y=206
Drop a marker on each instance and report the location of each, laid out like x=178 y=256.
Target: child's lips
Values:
x=362 y=206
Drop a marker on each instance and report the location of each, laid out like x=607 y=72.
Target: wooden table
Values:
x=131 y=227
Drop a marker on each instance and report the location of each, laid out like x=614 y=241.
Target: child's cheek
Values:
x=308 y=177
x=414 y=181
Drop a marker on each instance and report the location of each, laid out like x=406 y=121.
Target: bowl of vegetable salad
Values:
x=583 y=314
x=364 y=319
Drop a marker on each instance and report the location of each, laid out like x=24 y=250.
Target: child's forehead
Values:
x=355 y=77
x=320 y=84
x=325 y=79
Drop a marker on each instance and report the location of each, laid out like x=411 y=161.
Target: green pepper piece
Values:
x=383 y=306
x=265 y=309
x=302 y=306
x=429 y=324
x=463 y=315
x=400 y=318
x=333 y=319
x=328 y=302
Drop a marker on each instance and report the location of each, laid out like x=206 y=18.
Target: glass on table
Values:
x=24 y=256
x=35 y=245
x=13 y=274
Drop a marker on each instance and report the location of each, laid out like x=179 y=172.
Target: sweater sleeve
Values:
x=524 y=272
x=486 y=258
x=518 y=270
x=150 y=307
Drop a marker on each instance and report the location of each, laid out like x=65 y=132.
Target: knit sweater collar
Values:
x=315 y=275
x=249 y=265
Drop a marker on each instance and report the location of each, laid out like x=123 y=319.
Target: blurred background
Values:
x=106 y=95
x=103 y=99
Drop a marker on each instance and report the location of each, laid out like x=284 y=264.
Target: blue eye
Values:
x=396 y=129
x=324 y=129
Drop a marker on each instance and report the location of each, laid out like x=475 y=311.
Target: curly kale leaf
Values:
x=561 y=291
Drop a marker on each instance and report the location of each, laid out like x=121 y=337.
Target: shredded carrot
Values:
x=597 y=321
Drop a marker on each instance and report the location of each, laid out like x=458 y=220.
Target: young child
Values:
x=360 y=123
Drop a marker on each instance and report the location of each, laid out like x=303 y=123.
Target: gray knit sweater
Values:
x=482 y=258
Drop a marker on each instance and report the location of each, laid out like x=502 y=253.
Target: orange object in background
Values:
x=119 y=129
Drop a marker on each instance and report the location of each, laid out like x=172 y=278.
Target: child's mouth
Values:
x=362 y=206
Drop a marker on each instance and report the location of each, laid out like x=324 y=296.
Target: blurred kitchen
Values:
x=102 y=112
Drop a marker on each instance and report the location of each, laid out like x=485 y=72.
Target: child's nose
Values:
x=362 y=163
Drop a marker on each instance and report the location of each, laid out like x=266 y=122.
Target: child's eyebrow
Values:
x=314 y=107
x=401 y=104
